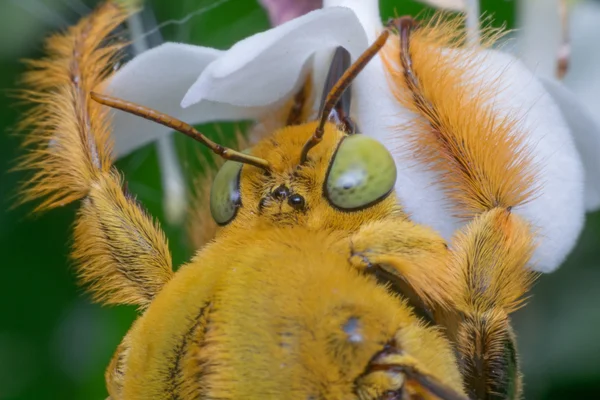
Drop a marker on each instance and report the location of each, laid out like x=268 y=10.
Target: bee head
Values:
x=345 y=181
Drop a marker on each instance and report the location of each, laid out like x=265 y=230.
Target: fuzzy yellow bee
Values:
x=317 y=285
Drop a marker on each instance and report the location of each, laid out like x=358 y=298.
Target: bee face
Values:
x=337 y=181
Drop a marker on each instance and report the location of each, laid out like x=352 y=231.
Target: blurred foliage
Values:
x=55 y=344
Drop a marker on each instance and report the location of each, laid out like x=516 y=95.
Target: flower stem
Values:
x=472 y=14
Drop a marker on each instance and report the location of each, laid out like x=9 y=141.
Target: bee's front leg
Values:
x=411 y=257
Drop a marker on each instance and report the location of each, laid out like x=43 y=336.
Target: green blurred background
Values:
x=55 y=344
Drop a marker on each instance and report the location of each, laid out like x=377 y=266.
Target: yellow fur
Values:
x=68 y=133
x=119 y=252
x=286 y=302
x=201 y=227
x=495 y=247
x=489 y=259
x=262 y=342
x=415 y=253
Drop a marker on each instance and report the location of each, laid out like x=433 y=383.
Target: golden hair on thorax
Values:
x=316 y=284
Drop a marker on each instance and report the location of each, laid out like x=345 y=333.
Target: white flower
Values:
x=538 y=44
x=256 y=75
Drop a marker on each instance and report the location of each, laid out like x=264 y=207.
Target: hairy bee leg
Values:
x=490 y=257
x=480 y=156
x=121 y=254
x=404 y=253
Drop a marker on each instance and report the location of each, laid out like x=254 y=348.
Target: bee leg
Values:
x=120 y=251
x=121 y=254
x=409 y=256
x=490 y=256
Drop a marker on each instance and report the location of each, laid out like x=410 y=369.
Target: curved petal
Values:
x=158 y=78
x=268 y=65
x=586 y=134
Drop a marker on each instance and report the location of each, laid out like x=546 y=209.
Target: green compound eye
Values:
x=225 y=196
x=362 y=173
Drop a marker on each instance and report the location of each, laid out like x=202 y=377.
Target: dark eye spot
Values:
x=296 y=201
x=281 y=192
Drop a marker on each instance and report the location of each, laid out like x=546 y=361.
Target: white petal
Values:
x=583 y=76
x=265 y=68
x=539 y=35
x=456 y=5
x=367 y=12
x=158 y=78
x=585 y=128
x=583 y=79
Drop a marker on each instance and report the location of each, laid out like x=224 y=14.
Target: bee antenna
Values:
x=337 y=91
x=180 y=126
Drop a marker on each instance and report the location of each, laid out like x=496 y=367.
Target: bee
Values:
x=317 y=285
